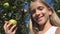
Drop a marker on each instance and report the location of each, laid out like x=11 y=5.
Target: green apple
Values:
x=14 y=22
x=6 y=4
x=14 y=7
x=58 y=11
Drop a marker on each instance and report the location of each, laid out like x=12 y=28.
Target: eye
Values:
x=40 y=8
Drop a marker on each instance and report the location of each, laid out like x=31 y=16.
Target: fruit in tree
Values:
x=6 y=4
x=14 y=7
x=14 y=22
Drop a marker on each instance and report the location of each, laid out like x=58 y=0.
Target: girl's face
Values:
x=40 y=13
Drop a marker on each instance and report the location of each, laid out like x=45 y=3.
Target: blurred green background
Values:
x=19 y=10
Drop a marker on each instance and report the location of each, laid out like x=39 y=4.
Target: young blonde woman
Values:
x=44 y=19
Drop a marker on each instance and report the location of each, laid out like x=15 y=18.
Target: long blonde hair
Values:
x=54 y=19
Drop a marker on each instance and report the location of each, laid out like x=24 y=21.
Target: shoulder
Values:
x=58 y=30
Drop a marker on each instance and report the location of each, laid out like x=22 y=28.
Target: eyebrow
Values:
x=40 y=7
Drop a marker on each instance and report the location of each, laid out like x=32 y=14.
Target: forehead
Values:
x=34 y=5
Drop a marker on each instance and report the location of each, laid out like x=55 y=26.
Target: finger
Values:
x=15 y=30
x=6 y=22
x=13 y=27
x=9 y=25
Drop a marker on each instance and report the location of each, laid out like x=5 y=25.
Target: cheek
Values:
x=33 y=15
x=46 y=14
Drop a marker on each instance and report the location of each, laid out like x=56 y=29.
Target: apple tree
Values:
x=14 y=9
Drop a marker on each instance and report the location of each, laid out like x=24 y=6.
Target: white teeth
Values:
x=37 y=17
x=40 y=15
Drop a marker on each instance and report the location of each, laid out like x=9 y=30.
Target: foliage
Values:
x=57 y=6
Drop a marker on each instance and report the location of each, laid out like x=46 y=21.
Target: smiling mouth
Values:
x=39 y=18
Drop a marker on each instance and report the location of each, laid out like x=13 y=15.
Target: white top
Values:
x=52 y=30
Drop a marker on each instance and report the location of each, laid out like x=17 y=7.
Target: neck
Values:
x=46 y=27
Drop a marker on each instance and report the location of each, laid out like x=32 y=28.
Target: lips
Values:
x=39 y=18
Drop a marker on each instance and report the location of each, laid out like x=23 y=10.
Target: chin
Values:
x=41 y=23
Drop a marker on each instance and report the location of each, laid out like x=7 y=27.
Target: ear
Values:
x=50 y=11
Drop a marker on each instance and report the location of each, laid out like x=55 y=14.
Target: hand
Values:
x=9 y=28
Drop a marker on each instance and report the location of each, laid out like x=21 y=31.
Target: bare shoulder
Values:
x=58 y=30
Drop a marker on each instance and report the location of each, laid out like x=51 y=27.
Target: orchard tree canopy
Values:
x=14 y=9
x=57 y=6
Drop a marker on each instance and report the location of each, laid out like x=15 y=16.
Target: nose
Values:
x=38 y=12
